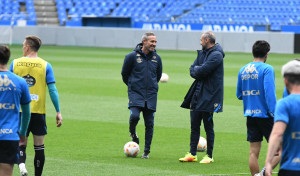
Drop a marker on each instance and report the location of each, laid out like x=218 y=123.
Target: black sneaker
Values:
x=135 y=138
x=145 y=155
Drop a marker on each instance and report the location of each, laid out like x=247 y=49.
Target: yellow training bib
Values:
x=33 y=70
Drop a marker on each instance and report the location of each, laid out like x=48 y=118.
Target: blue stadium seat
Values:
x=6 y=17
x=68 y=4
x=212 y=11
x=72 y=11
x=80 y=10
x=32 y=16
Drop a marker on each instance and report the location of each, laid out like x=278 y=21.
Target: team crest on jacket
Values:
x=30 y=80
x=216 y=105
x=154 y=57
x=139 y=60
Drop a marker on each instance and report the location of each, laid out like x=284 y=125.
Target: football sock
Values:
x=22 y=153
x=39 y=160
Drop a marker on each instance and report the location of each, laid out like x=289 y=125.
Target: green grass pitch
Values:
x=94 y=101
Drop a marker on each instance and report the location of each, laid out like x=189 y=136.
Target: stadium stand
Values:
x=9 y=11
x=257 y=12
x=267 y=12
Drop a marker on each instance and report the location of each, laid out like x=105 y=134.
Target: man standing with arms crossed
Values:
x=38 y=73
x=256 y=87
x=13 y=92
x=286 y=130
x=205 y=95
x=141 y=72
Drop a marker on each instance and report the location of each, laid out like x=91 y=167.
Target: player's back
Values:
x=255 y=79
x=33 y=70
x=292 y=103
x=12 y=90
x=252 y=74
x=288 y=112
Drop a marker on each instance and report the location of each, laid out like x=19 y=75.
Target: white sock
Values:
x=22 y=165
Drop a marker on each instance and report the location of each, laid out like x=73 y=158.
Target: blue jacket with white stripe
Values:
x=141 y=73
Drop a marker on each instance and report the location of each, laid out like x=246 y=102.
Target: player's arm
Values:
x=54 y=96
x=53 y=93
x=127 y=67
x=25 y=118
x=26 y=114
x=239 y=91
x=24 y=122
x=55 y=100
x=275 y=142
x=269 y=89
x=159 y=70
x=202 y=71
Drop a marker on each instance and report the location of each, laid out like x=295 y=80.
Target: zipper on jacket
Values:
x=146 y=78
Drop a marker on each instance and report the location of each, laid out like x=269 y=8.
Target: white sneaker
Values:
x=262 y=172
x=23 y=170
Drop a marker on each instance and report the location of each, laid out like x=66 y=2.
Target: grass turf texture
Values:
x=94 y=101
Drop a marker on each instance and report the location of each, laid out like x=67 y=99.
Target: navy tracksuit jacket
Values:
x=141 y=73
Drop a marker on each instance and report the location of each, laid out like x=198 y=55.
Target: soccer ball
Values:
x=202 y=144
x=164 y=77
x=131 y=149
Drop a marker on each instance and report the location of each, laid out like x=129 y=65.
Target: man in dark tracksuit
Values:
x=141 y=72
x=205 y=95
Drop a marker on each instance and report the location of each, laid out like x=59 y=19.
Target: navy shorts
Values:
x=257 y=128
x=37 y=125
x=9 y=152
x=288 y=173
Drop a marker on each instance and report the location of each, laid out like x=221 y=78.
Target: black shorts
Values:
x=9 y=152
x=259 y=127
x=37 y=125
x=288 y=173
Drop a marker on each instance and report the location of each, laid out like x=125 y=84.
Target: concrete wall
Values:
x=128 y=38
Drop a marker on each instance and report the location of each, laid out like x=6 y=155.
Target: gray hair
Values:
x=211 y=36
x=146 y=35
x=291 y=68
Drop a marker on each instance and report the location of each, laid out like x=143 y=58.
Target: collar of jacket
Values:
x=138 y=49
x=209 y=49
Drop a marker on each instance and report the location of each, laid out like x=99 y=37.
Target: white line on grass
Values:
x=226 y=174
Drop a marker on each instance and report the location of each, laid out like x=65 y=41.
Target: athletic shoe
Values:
x=23 y=170
x=135 y=138
x=188 y=158
x=262 y=172
x=206 y=160
x=145 y=155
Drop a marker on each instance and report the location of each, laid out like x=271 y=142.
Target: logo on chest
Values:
x=139 y=60
x=154 y=59
x=30 y=80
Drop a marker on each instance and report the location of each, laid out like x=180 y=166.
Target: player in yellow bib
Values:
x=38 y=73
